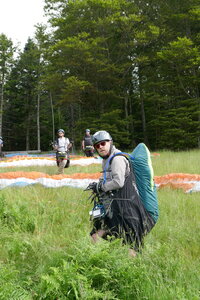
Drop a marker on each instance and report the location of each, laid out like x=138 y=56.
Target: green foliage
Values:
x=113 y=122
x=16 y=217
x=6 y=57
x=73 y=89
x=11 y=287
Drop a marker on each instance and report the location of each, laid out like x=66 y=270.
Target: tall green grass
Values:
x=46 y=251
x=177 y=162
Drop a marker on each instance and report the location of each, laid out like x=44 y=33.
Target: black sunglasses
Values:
x=97 y=146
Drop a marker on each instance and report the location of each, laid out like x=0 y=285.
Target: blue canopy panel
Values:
x=143 y=170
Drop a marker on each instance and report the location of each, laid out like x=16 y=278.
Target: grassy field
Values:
x=46 y=252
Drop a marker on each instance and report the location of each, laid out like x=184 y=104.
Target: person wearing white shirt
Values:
x=62 y=146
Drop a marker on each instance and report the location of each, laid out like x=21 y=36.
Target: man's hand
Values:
x=69 y=146
x=95 y=186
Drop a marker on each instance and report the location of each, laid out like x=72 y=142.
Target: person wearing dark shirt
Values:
x=87 y=145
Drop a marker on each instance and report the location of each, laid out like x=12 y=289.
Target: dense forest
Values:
x=129 y=67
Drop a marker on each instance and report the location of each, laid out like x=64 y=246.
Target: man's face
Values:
x=103 y=148
x=60 y=134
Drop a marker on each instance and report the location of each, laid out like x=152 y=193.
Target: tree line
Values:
x=129 y=67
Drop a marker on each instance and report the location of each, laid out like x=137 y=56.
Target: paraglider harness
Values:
x=103 y=200
x=101 y=204
x=88 y=146
x=62 y=156
x=89 y=152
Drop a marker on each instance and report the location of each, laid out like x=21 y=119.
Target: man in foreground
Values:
x=126 y=216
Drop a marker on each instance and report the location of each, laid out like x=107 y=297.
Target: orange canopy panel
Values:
x=35 y=175
x=185 y=181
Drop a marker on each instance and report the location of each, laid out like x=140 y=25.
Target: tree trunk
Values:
x=126 y=109
x=1 y=105
x=198 y=103
x=188 y=34
x=38 y=121
x=141 y=98
x=198 y=99
x=72 y=127
x=72 y=120
x=28 y=133
x=133 y=143
x=52 y=115
x=199 y=123
x=143 y=121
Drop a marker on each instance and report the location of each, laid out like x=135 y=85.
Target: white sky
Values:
x=18 y=17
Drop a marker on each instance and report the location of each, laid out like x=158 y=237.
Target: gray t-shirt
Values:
x=62 y=144
x=116 y=172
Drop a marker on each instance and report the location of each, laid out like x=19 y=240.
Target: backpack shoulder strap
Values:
x=124 y=154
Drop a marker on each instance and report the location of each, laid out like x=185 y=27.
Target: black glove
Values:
x=96 y=187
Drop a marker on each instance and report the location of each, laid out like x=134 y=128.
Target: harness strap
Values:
x=110 y=160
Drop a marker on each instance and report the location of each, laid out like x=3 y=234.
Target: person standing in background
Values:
x=1 y=145
x=62 y=146
x=87 y=144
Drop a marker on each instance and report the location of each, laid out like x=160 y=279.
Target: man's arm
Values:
x=68 y=145
x=83 y=145
x=55 y=146
x=119 y=171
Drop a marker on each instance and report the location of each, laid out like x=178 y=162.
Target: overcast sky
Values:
x=18 y=17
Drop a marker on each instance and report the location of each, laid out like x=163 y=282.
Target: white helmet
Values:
x=101 y=135
x=60 y=130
